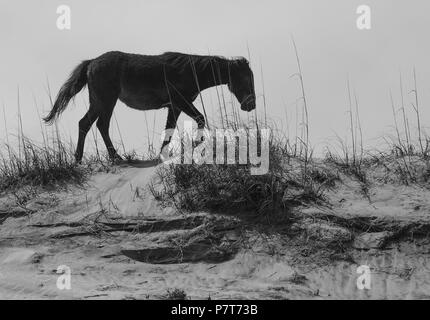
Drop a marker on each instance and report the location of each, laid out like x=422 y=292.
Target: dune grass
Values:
x=231 y=188
x=405 y=159
x=38 y=165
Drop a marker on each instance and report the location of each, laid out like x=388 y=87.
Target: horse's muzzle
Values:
x=248 y=103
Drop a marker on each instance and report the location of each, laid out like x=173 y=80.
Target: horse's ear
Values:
x=240 y=61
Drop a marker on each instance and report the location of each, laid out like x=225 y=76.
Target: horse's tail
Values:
x=75 y=83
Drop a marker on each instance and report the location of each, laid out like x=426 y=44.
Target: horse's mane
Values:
x=182 y=61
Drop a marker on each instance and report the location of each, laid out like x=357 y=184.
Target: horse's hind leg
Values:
x=84 y=126
x=103 y=123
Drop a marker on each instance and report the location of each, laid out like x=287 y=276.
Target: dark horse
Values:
x=144 y=82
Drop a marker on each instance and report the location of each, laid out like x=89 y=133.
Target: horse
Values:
x=148 y=82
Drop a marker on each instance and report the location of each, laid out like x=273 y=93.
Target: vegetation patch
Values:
x=39 y=166
x=290 y=182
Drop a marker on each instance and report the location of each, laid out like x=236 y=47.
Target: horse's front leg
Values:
x=190 y=110
x=172 y=118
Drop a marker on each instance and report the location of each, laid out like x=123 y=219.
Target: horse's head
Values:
x=241 y=83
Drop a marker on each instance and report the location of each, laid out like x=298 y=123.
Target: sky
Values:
x=332 y=49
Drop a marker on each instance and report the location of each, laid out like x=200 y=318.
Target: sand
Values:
x=118 y=243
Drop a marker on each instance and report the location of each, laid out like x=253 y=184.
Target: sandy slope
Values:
x=119 y=244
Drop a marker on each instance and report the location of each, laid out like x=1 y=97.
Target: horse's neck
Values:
x=214 y=74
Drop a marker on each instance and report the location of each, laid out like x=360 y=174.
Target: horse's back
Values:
x=138 y=80
x=171 y=61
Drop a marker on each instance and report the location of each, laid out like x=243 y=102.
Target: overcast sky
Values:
x=329 y=43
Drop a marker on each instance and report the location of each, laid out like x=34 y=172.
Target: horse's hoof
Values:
x=158 y=159
x=116 y=159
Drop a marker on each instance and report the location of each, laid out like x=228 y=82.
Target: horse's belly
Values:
x=142 y=101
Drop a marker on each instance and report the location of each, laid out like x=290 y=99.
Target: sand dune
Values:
x=120 y=244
